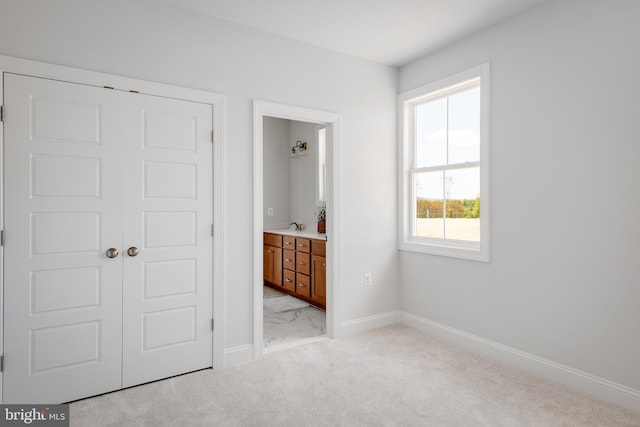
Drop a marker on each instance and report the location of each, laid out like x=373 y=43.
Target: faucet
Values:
x=299 y=227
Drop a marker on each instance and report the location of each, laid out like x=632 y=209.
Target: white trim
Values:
x=318 y=129
x=237 y=355
x=332 y=122
x=216 y=100
x=355 y=326
x=219 y=197
x=2 y=67
x=452 y=248
x=297 y=343
x=584 y=382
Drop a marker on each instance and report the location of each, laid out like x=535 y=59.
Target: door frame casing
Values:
x=262 y=109
x=217 y=101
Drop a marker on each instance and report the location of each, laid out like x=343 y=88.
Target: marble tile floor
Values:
x=281 y=330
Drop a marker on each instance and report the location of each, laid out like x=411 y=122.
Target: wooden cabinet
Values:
x=301 y=269
x=272 y=259
x=319 y=279
x=319 y=271
x=303 y=263
x=303 y=285
x=289 y=280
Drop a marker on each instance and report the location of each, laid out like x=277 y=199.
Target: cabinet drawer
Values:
x=272 y=239
x=319 y=247
x=303 y=245
x=289 y=280
x=303 y=263
x=289 y=260
x=289 y=243
x=303 y=285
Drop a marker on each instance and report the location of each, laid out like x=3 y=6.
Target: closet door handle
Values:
x=112 y=253
x=133 y=251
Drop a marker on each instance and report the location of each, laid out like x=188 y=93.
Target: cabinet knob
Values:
x=269 y=252
x=288 y=280
x=301 y=285
x=287 y=259
x=301 y=262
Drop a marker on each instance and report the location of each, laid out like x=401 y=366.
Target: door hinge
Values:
x=1 y=113
x=2 y=363
x=212 y=324
x=212 y=133
x=1 y=237
x=211 y=230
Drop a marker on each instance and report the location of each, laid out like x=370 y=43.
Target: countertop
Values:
x=311 y=234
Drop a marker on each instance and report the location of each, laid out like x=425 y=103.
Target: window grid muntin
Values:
x=412 y=105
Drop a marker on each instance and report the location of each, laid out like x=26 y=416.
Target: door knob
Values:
x=112 y=253
x=133 y=251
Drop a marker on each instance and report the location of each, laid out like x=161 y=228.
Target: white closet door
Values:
x=88 y=169
x=168 y=216
x=63 y=203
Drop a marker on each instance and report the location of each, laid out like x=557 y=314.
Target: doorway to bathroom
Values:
x=295 y=267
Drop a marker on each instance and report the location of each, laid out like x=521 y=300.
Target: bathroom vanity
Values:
x=295 y=263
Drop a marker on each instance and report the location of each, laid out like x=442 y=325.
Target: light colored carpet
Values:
x=285 y=303
x=394 y=376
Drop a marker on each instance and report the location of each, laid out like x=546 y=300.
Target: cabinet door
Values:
x=319 y=279
x=63 y=198
x=272 y=265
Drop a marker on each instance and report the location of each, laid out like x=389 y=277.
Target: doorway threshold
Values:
x=293 y=344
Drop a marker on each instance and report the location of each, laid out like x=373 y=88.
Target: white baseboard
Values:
x=237 y=355
x=584 y=382
x=355 y=326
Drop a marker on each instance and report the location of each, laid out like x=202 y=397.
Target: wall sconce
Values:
x=301 y=146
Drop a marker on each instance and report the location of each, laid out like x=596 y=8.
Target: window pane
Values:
x=322 y=164
x=429 y=204
x=431 y=133
x=464 y=126
x=462 y=193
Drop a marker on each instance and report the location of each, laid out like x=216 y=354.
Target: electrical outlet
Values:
x=269 y=211
x=367 y=279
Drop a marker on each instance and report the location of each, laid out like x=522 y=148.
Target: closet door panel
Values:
x=63 y=204
x=168 y=217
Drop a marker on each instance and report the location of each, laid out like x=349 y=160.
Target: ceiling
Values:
x=391 y=32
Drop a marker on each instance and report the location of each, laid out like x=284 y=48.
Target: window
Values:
x=321 y=178
x=444 y=167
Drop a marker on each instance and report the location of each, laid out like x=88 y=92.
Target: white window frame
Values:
x=321 y=165
x=408 y=241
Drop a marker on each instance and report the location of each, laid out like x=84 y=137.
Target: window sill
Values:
x=463 y=250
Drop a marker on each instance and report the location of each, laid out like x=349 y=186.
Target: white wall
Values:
x=289 y=182
x=147 y=40
x=564 y=278
x=303 y=175
x=277 y=173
